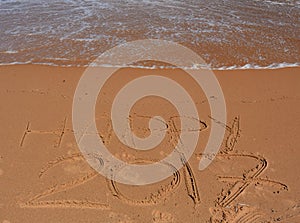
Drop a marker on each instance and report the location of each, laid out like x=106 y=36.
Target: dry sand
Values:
x=254 y=178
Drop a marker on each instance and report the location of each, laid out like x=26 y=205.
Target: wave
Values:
x=195 y=67
x=258 y=34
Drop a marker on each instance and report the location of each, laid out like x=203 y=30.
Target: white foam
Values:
x=281 y=3
x=194 y=67
x=10 y=51
x=253 y=66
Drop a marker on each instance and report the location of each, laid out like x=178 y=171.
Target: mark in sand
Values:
x=226 y=207
x=153 y=198
x=35 y=202
x=59 y=133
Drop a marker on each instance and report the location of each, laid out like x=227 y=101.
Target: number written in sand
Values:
x=36 y=202
x=164 y=191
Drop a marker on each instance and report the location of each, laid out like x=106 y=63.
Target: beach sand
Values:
x=254 y=178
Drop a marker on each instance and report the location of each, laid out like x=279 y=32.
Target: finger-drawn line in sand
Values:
x=274 y=99
x=33 y=91
x=201 y=123
x=80 y=204
x=27 y=130
x=59 y=133
x=172 y=120
x=234 y=133
x=224 y=202
x=35 y=202
x=148 y=117
x=256 y=181
x=105 y=137
x=58 y=160
x=164 y=191
x=36 y=92
x=248 y=215
x=62 y=132
x=154 y=198
x=238 y=184
x=224 y=125
x=241 y=214
x=190 y=183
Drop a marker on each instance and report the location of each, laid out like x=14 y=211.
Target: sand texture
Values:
x=254 y=177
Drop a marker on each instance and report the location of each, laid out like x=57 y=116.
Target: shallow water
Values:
x=227 y=34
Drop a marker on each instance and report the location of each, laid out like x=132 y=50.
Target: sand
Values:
x=254 y=177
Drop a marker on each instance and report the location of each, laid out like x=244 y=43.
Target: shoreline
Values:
x=273 y=66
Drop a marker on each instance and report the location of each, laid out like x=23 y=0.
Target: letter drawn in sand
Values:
x=58 y=133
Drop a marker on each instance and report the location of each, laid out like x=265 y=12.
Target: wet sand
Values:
x=254 y=177
x=224 y=33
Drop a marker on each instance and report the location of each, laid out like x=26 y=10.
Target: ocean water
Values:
x=227 y=34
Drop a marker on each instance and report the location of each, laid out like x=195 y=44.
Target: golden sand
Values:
x=254 y=177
